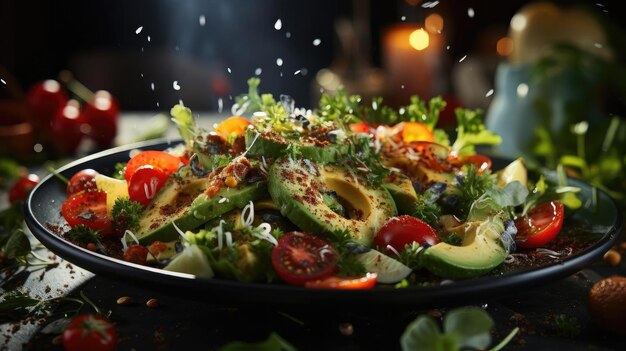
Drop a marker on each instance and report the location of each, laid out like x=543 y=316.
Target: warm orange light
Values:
x=434 y=23
x=504 y=46
x=413 y=2
x=419 y=39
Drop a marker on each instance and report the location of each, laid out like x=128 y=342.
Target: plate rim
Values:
x=412 y=295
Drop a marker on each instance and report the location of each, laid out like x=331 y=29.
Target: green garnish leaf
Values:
x=470 y=325
x=120 y=169
x=472 y=132
x=17 y=245
x=424 y=334
x=83 y=234
x=348 y=264
x=416 y=111
x=513 y=194
x=125 y=214
x=273 y=343
x=182 y=116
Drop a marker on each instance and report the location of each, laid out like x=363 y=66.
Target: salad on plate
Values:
x=347 y=196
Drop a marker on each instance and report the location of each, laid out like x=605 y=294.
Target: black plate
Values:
x=601 y=219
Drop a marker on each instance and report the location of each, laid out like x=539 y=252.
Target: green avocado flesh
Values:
x=479 y=253
x=182 y=200
x=403 y=193
x=297 y=188
x=272 y=145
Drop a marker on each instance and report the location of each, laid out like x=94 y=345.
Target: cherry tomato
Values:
x=301 y=257
x=136 y=254
x=88 y=208
x=158 y=159
x=415 y=131
x=20 y=189
x=481 y=162
x=84 y=180
x=402 y=230
x=146 y=183
x=361 y=127
x=90 y=332
x=157 y=247
x=334 y=282
x=101 y=114
x=67 y=128
x=44 y=99
x=540 y=225
x=232 y=125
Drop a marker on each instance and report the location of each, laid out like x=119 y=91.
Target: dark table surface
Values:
x=181 y=323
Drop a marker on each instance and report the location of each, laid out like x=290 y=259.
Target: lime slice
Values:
x=516 y=170
x=388 y=269
x=191 y=261
x=114 y=188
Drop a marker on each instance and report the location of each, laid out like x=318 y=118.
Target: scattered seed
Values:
x=92 y=247
x=124 y=300
x=622 y=246
x=152 y=303
x=612 y=257
x=346 y=329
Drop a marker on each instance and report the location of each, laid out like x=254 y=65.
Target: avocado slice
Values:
x=182 y=200
x=297 y=187
x=480 y=252
x=402 y=191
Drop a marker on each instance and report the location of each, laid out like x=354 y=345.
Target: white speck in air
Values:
x=220 y=105
x=317 y=42
x=430 y=4
x=202 y=20
x=288 y=35
x=522 y=90
x=141 y=75
x=158 y=105
x=230 y=97
x=322 y=90
x=177 y=48
x=296 y=72
x=142 y=49
x=489 y=93
x=258 y=71
x=38 y=147
x=403 y=18
x=281 y=74
x=279 y=62
x=3 y=81
x=229 y=70
x=448 y=47
x=175 y=85
x=138 y=30
x=599 y=4
x=304 y=71
x=598 y=45
x=148 y=38
x=152 y=86
x=278 y=25
x=470 y=12
x=402 y=86
x=463 y=58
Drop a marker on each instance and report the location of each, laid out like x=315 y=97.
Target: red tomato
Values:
x=101 y=115
x=136 y=254
x=20 y=189
x=361 y=127
x=44 y=99
x=90 y=332
x=415 y=131
x=84 y=180
x=540 y=225
x=146 y=183
x=67 y=128
x=158 y=159
x=88 y=208
x=302 y=257
x=232 y=125
x=334 y=282
x=402 y=230
x=481 y=162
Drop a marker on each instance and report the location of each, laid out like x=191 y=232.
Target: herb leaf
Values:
x=82 y=234
x=17 y=245
x=125 y=214
x=472 y=131
x=470 y=325
x=423 y=334
x=273 y=343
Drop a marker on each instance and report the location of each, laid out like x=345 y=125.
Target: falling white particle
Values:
x=288 y=35
x=296 y=72
x=317 y=42
x=175 y=85
x=281 y=74
x=148 y=38
x=258 y=71
x=152 y=86
x=463 y=58
x=278 y=25
x=158 y=104
x=402 y=86
x=220 y=105
x=403 y=18
x=522 y=90
x=177 y=48
x=489 y=93
x=470 y=12
x=38 y=147
x=138 y=30
x=228 y=69
x=279 y=62
x=598 y=45
x=430 y=4
x=3 y=81
x=304 y=71
x=448 y=47
x=202 y=20
x=141 y=75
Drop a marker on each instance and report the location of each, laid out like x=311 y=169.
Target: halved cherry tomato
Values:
x=136 y=254
x=232 y=125
x=361 y=127
x=415 y=131
x=88 y=208
x=301 y=257
x=146 y=183
x=540 y=225
x=158 y=159
x=334 y=282
x=402 y=230
x=481 y=162
x=20 y=189
x=81 y=181
x=90 y=332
